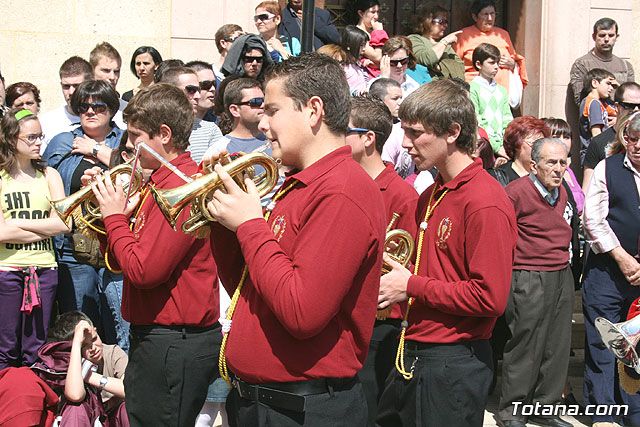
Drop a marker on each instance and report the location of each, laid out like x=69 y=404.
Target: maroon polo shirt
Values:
x=464 y=276
x=307 y=307
x=401 y=198
x=169 y=276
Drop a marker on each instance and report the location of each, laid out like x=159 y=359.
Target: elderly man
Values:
x=605 y=35
x=612 y=271
x=538 y=312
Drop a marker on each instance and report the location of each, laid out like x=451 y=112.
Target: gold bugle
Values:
x=197 y=193
x=65 y=207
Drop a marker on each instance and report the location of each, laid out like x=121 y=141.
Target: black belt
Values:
x=292 y=395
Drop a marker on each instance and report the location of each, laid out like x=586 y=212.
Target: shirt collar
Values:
x=322 y=166
x=550 y=196
x=484 y=82
x=463 y=177
x=385 y=177
x=627 y=163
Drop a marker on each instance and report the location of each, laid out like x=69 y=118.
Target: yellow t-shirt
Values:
x=26 y=201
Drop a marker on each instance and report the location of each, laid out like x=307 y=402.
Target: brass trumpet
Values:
x=89 y=212
x=198 y=192
x=399 y=245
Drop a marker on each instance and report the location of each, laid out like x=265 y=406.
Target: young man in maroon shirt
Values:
x=465 y=244
x=170 y=287
x=305 y=312
x=369 y=127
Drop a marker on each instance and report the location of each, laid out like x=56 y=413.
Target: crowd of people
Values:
x=292 y=306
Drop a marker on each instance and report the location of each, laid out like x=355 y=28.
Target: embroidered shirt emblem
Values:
x=278 y=226
x=139 y=224
x=444 y=231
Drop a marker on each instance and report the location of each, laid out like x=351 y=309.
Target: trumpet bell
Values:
x=399 y=245
x=198 y=192
x=621 y=339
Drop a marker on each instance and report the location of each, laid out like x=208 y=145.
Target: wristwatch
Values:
x=96 y=148
x=103 y=382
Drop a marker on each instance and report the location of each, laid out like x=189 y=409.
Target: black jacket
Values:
x=324 y=31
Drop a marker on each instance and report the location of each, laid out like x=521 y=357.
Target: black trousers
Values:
x=450 y=386
x=381 y=360
x=345 y=407
x=169 y=372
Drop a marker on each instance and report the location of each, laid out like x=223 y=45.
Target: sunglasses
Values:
x=33 y=138
x=401 y=61
x=191 y=89
x=250 y=59
x=441 y=21
x=230 y=39
x=253 y=102
x=629 y=105
x=97 y=107
x=207 y=84
x=263 y=17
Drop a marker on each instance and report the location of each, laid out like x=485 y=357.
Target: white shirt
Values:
x=598 y=232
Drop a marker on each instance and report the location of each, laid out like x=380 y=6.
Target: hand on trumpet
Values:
x=234 y=207
x=111 y=199
x=393 y=285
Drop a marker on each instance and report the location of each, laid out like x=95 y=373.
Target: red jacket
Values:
x=464 y=275
x=169 y=276
x=308 y=305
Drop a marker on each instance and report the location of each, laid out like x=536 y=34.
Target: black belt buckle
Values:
x=271 y=397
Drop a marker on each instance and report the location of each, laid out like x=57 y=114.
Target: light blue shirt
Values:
x=550 y=196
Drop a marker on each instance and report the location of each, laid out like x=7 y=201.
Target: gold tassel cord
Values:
x=405 y=324
x=222 y=361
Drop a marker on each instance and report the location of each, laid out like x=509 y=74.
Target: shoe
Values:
x=511 y=423
x=548 y=421
x=570 y=400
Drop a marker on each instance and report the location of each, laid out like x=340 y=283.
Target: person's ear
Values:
x=594 y=83
x=478 y=65
x=165 y=134
x=316 y=110
x=234 y=110
x=370 y=139
x=454 y=133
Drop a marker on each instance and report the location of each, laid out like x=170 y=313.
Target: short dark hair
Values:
x=225 y=32
x=484 y=51
x=618 y=96
x=16 y=90
x=351 y=40
x=64 y=327
x=171 y=74
x=116 y=154
x=164 y=66
x=478 y=5
x=598 y=74
x=99 y=90
x=313 y=74
x=438 y=106
x=198 y=65
x=162 y=104
x=371 y=113
x=380 y=87
x=233 y=91
x=76 y=66
x=155 y=55
x=558 y=127
x=353 y=6
x=604 y=24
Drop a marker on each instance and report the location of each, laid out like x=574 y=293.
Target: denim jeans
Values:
x=112 y=291
x=78 y=286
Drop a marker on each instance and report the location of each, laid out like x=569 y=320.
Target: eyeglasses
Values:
x=253 y=102
x=250 y=59
x=230 y=39
x=97 y=107
x=629 y=105
x=191 y=89
x=363 y=130
x=441 y=21
x=631 y=140
x=33 y=138
x=207 y=84
x=263 y=17
x=401 y=61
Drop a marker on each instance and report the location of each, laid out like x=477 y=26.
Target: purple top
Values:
x=576 y=190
